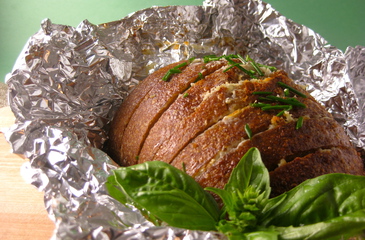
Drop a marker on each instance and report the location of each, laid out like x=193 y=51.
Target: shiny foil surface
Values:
x=68 y=82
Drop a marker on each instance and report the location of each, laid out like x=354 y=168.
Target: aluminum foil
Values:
x=68 y=81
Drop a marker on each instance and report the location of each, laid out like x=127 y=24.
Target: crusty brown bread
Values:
x=206 y=115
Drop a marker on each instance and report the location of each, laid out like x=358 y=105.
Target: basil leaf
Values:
x=227 y=197
x=250 y=171
x=342 y=227
x=115 y=190
x=169 y=194
x=262 y=235
x=118 y=193
x=317 y=200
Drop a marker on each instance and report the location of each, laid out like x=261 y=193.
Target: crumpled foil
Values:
x=68 y=82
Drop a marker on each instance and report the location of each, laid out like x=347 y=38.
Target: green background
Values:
x=340 y=22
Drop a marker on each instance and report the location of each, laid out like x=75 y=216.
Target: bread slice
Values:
x=160 y=96
x=128 y=107
x=320 y=162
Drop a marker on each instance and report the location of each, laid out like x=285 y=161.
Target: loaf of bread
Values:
x=202 y=116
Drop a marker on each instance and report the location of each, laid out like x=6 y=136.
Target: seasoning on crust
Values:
x=202 y=116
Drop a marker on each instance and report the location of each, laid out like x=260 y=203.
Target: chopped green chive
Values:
x=260 y=105
x=254 y=65
x=173 y=70
x=186 y=95
x=199 y=77
x=293 y=90
x=166 y=76
x=271 y=68
x=285 y=107
x=210 y=58
x=290 y=101
x=183 y=167
x=281 y=113
x=235 y=64
x=248 y=131
x=241 y=58
x=286 y=92
x=266 y=96
x=262 y=93
x=228 y=68
x=299 y=123
x=181 y=65
x=265 y=99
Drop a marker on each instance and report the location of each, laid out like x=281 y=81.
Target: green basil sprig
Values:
x=331 y=206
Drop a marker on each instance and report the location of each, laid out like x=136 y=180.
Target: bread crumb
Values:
x=288 y=117
x=282 y=162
